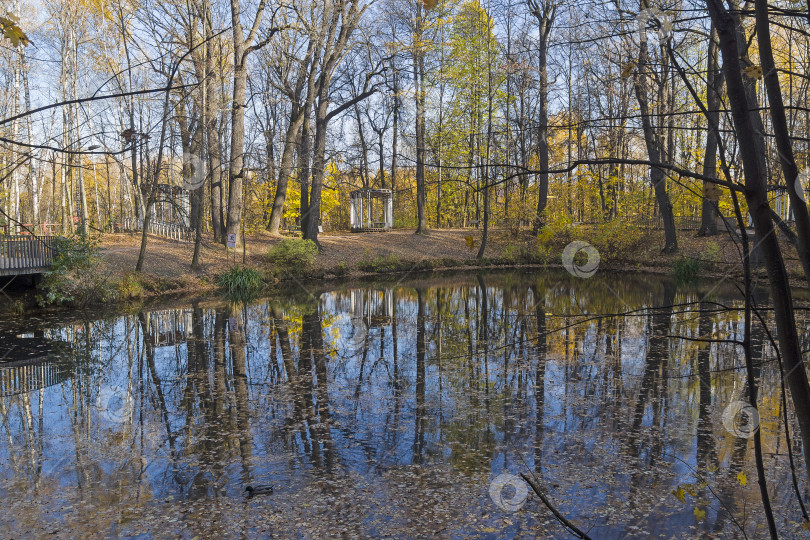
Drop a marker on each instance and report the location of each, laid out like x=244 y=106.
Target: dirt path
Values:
x=168 y=262
x=168 y=259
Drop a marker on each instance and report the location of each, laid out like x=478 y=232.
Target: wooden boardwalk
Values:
x=25 y=254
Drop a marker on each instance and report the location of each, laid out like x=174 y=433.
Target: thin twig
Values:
x=561 y=518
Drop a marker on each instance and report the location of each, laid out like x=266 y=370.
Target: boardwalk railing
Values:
x=24 y=377
x=181 y=233
x=26 y=254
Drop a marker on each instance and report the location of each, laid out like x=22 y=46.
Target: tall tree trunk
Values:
x=419 y=95
x=711 y=193
x=33 y=177
x=318 y=166
x=212 y=139
x=782 y=137
x=395 y=134
x=340 y=21
x=291 y=140
x=440 y=135
x=544 y=12
x=364 y=172
x=485 y=234
x=82 y=195
x=304 y=158
x=67 y=224
x=732 y=47
x=236 y=174
x=542 y=136
x=655 y=148
x=195 y=218
x=236 y=171
x=304 y=146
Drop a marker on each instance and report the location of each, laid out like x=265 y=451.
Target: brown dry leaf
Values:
x=753 y=72
x=627 y=69
x=13 y=32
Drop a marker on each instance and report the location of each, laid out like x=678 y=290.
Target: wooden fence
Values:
x=25 y=254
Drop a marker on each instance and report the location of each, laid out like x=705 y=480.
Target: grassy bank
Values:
x=100 y=271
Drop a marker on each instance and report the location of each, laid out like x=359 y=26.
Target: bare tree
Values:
x=339 y=21
x=545 y=12
x=291 y=73
x=242 y=47
x=742 y=101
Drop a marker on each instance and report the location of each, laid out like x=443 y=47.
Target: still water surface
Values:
x=389 y=409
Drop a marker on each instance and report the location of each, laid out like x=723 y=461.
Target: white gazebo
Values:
x=372 y=210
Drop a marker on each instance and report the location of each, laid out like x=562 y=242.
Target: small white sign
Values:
x=232 y=240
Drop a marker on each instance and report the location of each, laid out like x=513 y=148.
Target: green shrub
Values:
x=523 y=253
x=512 y=252
x=383 y=262
x=685 y=269
x=74 y=276
x=711 y=253
x=130 y=287
x=614 y=239
x=291 y=253
x=555 y=233
x=617 y=239
x=341 y=269
x=241 y=283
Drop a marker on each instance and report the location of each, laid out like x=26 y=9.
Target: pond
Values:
x=395 y=409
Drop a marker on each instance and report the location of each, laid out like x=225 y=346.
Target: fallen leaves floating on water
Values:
x=680 y=494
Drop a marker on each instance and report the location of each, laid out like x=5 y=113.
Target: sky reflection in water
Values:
x=388 y=411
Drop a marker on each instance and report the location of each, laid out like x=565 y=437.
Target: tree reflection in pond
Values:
x=398 y=426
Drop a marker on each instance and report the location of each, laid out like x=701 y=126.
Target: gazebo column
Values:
x=186 y=205
x=389 y=212
x=352 y=223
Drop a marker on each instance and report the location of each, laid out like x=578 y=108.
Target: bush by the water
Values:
x=241 y=283
x=383 y=262
x=293 y=253
x=74 y=276
x=685 y=269
x=614 y=240
x=618 y=239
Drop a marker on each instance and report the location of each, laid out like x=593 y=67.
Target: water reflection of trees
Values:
x=579 y=383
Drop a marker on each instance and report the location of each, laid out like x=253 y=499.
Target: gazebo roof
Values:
x=365 y=192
